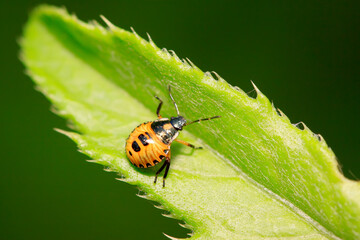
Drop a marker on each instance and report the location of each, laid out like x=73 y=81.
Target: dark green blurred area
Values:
x=304 y=56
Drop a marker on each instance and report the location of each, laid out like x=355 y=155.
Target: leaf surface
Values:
x=258 y=175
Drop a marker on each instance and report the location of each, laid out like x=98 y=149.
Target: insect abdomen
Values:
x=143 y=148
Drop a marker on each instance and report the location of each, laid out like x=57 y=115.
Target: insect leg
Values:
x=159 y=107
x=203 y=119
x=187 y=144
x=160 y=170
x=166 y=170
x=175 y=105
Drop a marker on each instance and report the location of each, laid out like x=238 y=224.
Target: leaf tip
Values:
x=107 y=169
x=168 y=215
x=172 y=53
x=74 y=136
x=279 y=112
x=258 y=92
x=191 y=63
x=91 y=161
x=66 y=133
x=133 y=31
x=217 y=76
x=300 y=125
x=144 y=195
x=107 y=22
x=151 y=41
x=161 y=207
x=173 y=238
x=319 y=137
x=121 y=179
x=208 y=76
x=185 y=225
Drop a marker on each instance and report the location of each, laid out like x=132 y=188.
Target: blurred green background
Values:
x=303 y=55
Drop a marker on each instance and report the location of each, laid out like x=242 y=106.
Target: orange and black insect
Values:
x=149 y=143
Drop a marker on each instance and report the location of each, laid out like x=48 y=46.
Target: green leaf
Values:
x=258 y=175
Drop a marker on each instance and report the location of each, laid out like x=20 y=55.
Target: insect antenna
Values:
x=177 y=110
x=203 y=119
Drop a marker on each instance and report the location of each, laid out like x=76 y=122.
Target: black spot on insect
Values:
x=135 y=146
x=161 y=157
x=155 y=162
x=141 y=166
x=148 y=165
x=143 y=139
x=130 y=153
x=148 y=135
x=166 y=151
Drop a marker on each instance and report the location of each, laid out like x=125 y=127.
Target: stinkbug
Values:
x=149 y=143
